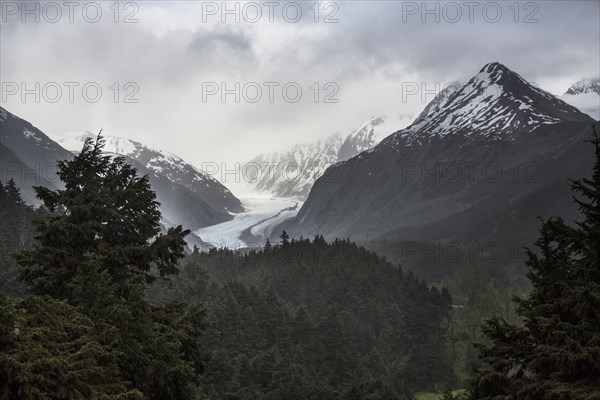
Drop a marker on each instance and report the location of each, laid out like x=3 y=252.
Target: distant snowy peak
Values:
x=112 y=144
x=495 y=103
x=364 y=138
x=585 y=95
x=587 y=85
x=293 y=172
x=157 y=160
x=165 y=164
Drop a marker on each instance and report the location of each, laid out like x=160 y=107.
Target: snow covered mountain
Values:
x=495 y=103
x=364 y=138
x=204 y=200
x=291 y=173
x=586 y=85
x=472 y=166
x=585 y=95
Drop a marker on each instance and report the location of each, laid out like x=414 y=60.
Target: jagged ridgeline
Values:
x=311 y=319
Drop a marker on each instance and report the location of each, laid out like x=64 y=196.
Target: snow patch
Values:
x=31 y=135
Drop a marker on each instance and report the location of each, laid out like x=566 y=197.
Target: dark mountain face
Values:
x=28 y=156
x=187 y=196
x=480 y=166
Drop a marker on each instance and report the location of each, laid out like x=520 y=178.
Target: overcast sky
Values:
x=171 y=56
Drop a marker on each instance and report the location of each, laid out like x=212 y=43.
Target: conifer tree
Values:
x=98 y=252
x=50 y=350
x=106 y=217
x=555 y=354
x=285 y=238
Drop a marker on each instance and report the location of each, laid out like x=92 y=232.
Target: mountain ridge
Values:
x=29 y=156
x=585 y=95
x=404 y=186
x=167 y=164
x=585 y=85
x=291 y=173
x=487 y=106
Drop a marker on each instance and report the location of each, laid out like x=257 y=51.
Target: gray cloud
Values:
x=368 y=54
x=204 y=42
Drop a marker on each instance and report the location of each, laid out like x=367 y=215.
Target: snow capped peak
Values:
x=498 y=78
x=202 y=189
x=585 y=95
x=495 y=103
x=121 y=145
x=292 y=173
x=586 y=85
x=367 y=128
x=361 y=139
x=112 y=143
x=495 y=69
x=159 y=161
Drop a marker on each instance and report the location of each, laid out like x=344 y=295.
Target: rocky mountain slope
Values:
x=479 y=165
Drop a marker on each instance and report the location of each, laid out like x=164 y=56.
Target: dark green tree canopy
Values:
x=106 y=215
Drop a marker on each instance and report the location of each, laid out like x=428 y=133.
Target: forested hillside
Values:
x=308 y=319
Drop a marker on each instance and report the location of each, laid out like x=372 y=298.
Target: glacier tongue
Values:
x=252 y=227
